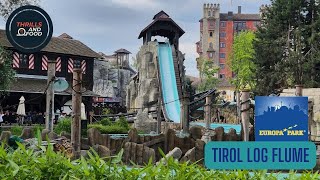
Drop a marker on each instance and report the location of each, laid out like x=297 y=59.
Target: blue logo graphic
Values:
x=281 y=118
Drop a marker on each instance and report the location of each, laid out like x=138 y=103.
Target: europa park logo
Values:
x=281 y=118
x=29 y=29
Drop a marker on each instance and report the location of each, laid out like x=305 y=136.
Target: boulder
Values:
x=144 y=122
x=27 y=133
x=199 y=150
x=232 y=135
x=219 y=133
x=133 y=135
x=196 y=132
x=190 y=155
x=44 y=134
x=52 y=135
x=65 y=134
x=137 y=153
x=93 y=136
x=5 y=135
x=102 y=151
x=176 y=154
x=84 y=153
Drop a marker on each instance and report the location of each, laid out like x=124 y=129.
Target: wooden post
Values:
x=245 y=105
x=238 y=107
x=159 y=116
x=207 y=111
x=299 y=90
x=50 y=95
x=76 y=107
x=184 y=109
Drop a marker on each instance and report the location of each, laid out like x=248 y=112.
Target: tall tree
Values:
x=285 y=53
x=7 y=6
x=241 y=60
x=208 y=72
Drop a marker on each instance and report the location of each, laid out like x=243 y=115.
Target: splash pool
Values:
x=226 y=127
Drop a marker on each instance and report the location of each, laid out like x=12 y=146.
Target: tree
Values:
x=241 y=60
x=208 y=73
x=286 y=45
x=7 y=6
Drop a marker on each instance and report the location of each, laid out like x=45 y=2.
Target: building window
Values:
x=221 y=66
x=222 y=76
x=211 y=34
x=223 y=34
x=222 y=45
x=24 y=61
x=211 y=55
x=239 y=26
x=209 y=13
x=210 y=45
x=223 y=24
x=222 y=55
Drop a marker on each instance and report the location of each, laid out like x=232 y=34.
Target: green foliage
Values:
x=122 y=122
x=286 y=46
x=63 y=125
x=112 y=129
x=106 y=111
x=7 y=6
x=24 y=163
x=208 y=72
x=7 y=74
x=241 y=60
x=105 y=122
x=16 y=130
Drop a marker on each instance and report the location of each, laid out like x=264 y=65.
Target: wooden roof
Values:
x=122 y=51
x=60 y=45
x=159 y=18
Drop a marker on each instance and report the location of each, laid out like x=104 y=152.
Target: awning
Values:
x=38 y=86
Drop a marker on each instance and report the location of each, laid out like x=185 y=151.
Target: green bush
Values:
x=37 y=127
x=26 y=163
x=16 y=130
x=105 y=122
x=122 y=122
x=63 y=125
x=113 y=129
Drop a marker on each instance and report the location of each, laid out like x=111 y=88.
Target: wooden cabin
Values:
x=31 y=73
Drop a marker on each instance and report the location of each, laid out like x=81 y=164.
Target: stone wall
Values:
x=313 y=95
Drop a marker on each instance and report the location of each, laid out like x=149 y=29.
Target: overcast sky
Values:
x=108 y=25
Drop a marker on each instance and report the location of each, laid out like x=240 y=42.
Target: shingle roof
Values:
x=38 y=86
x=60 y=45
x=123 y=51
x=159 y=20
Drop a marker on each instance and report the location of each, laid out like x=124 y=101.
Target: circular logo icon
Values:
x=29 y=29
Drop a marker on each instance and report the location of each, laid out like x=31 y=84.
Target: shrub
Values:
x=37 y=127
x=63 y=125
x=26 y=163
x=113 y=129
x=16 y=130
x=106 y=111
x=105 y=122
x=122 y=122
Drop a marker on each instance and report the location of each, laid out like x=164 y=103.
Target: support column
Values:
x=184 y=109
x=207 y=111
x=238 y=106
x=245 y=105
x=76 y=107
x=299 y=90
x=159 y=116
x=50 y=95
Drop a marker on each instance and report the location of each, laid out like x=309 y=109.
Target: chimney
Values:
x=239 y=9
x=230 y=15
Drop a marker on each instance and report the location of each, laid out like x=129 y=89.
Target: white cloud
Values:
x=137 y=4
x=189 y=48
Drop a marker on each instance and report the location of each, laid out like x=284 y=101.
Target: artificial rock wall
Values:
x=314 y=109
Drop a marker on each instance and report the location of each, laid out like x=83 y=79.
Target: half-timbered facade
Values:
x=31 y=72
